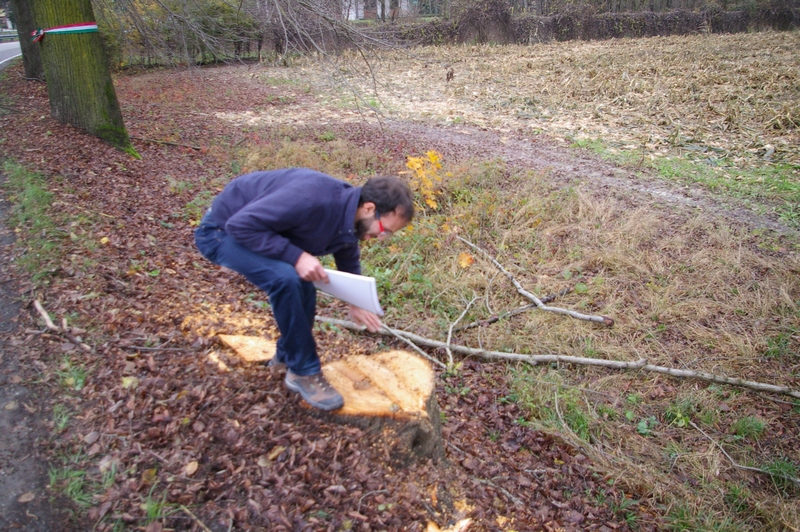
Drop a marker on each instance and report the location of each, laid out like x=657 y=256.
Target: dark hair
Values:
x=388 y=194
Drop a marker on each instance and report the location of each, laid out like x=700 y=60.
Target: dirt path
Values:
x=24 y=503
x=574 y=168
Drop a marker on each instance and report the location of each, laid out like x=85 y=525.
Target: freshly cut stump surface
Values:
x=391 y=394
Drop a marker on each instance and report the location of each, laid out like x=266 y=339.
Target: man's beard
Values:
x=362 y=226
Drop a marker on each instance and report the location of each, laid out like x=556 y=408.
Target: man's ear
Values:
x=368 y=208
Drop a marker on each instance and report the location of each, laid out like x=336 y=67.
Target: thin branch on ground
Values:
x=194 y=518
x=640 y=364
x=394 y=333
x=168 y=143
x=510 y=313
x=65 y=331
x=450 y=332
x=538 y=302
x=737 y=465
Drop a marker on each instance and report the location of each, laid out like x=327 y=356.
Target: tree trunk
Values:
x=31 y=57
x=78 y=78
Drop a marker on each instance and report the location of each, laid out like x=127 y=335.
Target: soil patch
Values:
x=24 y=499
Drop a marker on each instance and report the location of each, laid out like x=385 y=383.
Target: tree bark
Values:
x=31 y=57
x=78 y=78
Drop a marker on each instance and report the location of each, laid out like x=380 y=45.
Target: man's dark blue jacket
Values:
x=281 y=213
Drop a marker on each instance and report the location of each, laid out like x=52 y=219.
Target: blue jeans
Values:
x=293 y=300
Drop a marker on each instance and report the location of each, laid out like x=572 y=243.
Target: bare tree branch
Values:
x=640 y=364
x=577 y=315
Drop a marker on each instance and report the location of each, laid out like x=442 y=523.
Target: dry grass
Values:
x=692 y=293
x=687 y=291
x=716 y=97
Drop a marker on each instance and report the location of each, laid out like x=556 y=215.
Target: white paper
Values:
x=358 y=290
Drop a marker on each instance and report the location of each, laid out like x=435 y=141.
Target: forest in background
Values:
x=183 y=32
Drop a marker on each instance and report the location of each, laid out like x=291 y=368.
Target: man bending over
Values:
x=272 y=226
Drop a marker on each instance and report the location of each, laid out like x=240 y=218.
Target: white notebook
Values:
x=358 y=290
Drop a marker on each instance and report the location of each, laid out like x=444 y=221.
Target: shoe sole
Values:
x=295 y=388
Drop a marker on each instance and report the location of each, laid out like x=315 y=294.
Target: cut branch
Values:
x=737 y=465
x=168 y=143
x=513 y=312
x=640 y=364
x=63 y=331
x=538 y=302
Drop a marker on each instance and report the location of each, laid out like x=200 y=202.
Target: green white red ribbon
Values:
x=79 y=27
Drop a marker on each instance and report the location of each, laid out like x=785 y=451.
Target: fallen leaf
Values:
x=91 y=437
x=275 y=452
x=149 y=475
x=130 y=382
x=13 y=405
x=465 y=260
x=26 y=497
x=191 y=468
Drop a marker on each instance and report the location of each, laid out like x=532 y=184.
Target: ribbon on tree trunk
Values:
x=79 y=27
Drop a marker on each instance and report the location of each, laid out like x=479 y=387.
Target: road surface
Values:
x=8 y=51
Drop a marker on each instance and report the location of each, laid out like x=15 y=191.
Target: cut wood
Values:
x=250 y=348
x=391 y=394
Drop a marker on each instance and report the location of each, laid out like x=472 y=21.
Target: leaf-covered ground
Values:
x=169 y=430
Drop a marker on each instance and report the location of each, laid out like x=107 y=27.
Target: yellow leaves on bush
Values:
x=465 y=260
x=425 y=177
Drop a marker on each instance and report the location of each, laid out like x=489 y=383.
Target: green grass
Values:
x=72 y=483
x=61 y=417
x=749 y=427
x=71 y=375
x=784 y=475
x=777 y=184
x=29 y=215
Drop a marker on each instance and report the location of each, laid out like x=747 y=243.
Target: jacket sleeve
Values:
x=259 y=225
x=348 y=259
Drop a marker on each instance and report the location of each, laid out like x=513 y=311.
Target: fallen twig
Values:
x=62 y=331
x=538 y=302
x=737 y=465
x=512 y=312
x=416 y=348
x=450 y=332
x=196 y=520
x=168 y=143
x=640 y=364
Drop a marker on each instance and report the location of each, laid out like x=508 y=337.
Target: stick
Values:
x=196 y=520
x=640 y=364
x=450 y=332
x=156 y=141
x=738 y=465
x=53 y=327
x=521 y=291
x=513 y=312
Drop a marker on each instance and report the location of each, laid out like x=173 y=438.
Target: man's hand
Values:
x=310 y=269
x=365 y=318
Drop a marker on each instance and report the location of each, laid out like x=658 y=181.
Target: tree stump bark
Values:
x=391 y=394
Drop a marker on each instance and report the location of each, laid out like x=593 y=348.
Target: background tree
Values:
x=31 y=58
x=78 y=79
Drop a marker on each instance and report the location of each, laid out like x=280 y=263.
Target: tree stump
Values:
x=390 y=394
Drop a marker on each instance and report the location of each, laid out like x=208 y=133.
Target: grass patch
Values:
x=73 y=484
x=748 y=428
x=30 y=216
x=71 y=375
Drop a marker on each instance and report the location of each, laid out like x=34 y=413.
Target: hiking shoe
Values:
x=315 y=389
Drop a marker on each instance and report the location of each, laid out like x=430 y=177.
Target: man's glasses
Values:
x=384 y=233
